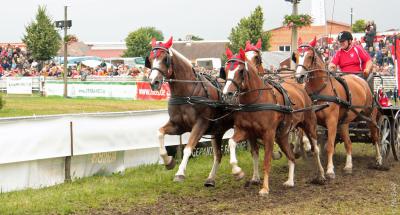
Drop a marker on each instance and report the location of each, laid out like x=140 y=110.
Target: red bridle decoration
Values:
x=163 y=46
x=234 y=60
x=251 y=47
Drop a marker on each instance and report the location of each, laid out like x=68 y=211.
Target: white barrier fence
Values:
x=34 y=149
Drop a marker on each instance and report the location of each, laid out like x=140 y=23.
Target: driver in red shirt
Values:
x=351 y=58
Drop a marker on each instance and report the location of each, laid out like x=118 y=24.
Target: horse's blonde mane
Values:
x=179 y=55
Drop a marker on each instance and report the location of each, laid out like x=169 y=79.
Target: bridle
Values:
x=167 y=62
x=241 y=72
x=305 y=76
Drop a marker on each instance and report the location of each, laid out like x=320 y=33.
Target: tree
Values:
x=359 y=26
x=41 y=38
x=196 y=38
x=138 y=42
x=249 y=28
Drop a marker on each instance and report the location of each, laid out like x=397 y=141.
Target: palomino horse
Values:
x=188 y=107
x=345 y=105
x=266 y=112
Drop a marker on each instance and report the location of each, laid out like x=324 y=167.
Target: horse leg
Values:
x=375 y=137
x=255 y=180
x=197 y=132
x=330 y=145
x=268 y=140
x=216 y=142
x=170 y=129
x=283 y=141
x=344 y=133
x=310 y=129
x=237 y=172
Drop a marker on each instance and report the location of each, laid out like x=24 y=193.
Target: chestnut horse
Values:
x=188 y=107
x=266 y=112
x=298 y=139
x=345 y=106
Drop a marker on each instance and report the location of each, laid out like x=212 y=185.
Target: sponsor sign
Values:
x=144 y=92
x=19 y=85
x=93 y=89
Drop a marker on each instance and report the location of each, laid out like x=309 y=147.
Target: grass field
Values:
x=150 y=190
x=26 y=105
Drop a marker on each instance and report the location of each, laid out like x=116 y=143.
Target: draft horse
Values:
x=349 y=98
x=298 y=139
x=266 y=111
x=190 y=107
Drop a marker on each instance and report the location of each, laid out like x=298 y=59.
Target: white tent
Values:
x=94 y=63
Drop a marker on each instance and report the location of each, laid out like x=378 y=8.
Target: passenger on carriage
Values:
x=351 y=58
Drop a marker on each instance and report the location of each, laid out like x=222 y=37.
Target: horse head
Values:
x=235 y=68
x=306 y=59
x=253 y=52
x=159 y=62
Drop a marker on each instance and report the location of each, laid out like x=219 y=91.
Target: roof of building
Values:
x=328 y=21
x=201 y=49
x=274 y=58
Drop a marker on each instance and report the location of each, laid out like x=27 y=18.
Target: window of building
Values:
x=285 y=48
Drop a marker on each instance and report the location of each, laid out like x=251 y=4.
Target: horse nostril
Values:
x=229 y=94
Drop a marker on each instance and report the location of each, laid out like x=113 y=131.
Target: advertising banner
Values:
x=93 y=89
x=19 y=85
x=144 y=92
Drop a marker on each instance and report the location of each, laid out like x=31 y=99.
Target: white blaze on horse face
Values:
x=300 y=69
x=231 y=75
x=250 y=55
x=154 y=73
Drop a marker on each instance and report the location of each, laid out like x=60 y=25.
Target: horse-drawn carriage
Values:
x=268 y=109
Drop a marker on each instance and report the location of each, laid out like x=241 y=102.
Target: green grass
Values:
x=26 y=105
x=137 y=186
x=145 y=186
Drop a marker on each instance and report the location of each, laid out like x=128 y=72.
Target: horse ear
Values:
x=248 y=45
x=168 y=44
x=153 y=42
x=228 y=53
x=259 y=44
x=313 y=42
x=294 y=57
x=242 y=55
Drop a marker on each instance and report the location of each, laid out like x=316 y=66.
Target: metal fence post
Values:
x=68 y=158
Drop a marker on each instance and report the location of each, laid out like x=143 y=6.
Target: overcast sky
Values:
x=112 y=20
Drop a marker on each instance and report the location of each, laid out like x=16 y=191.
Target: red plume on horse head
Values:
x=251 y=47
x=313 y=42
x=228 y=53
x=166 y=45
x=242 y=55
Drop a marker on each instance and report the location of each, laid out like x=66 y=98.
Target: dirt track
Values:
x=366 y=191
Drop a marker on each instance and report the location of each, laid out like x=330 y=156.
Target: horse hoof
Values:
x=309 y=154
x=320 y=180
x=348 y=171
x=255 y=182
x=288 y=184
x=179 y=178
x=297 y=155
x=238 y=176
x=171 y=164
x=263 y=192
x=276 y=155
x=209 y=183
x=330 y=176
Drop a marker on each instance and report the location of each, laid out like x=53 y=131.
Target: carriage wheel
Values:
x=384 y=136
x=396 y=138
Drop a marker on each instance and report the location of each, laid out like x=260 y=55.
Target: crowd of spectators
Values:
x=15 y=62
x=379 y=50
